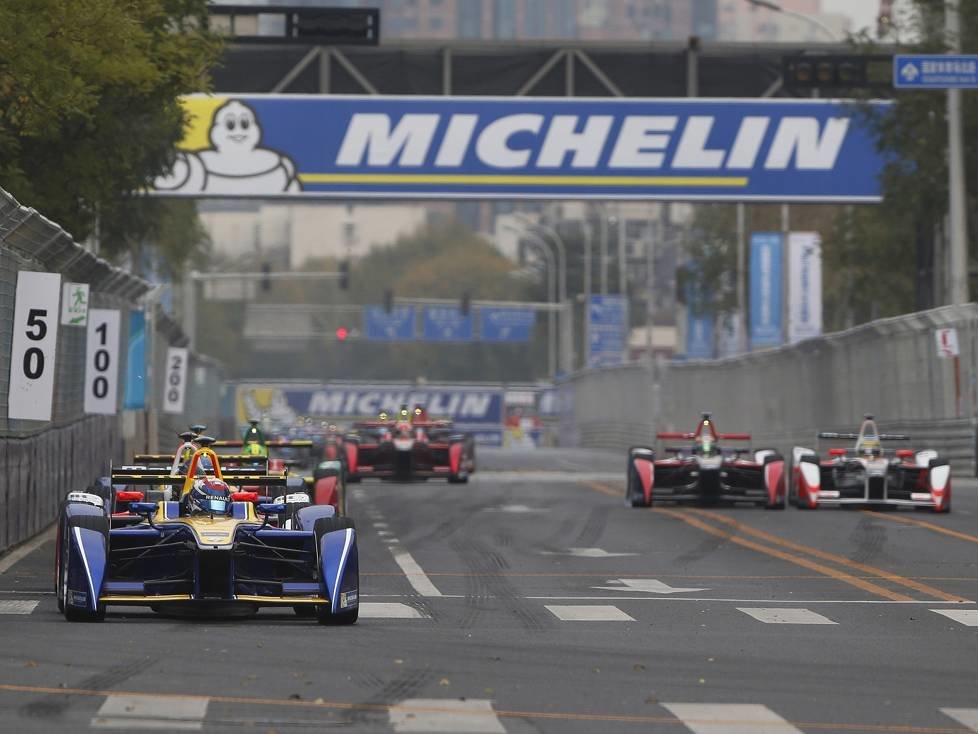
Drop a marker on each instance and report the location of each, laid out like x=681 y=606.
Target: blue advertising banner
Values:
x=700 y=338
x=607 y=330
x=379 y=325
x=447 y=324
x=938 y=71
x=486 y=147
x=766 y=258
x=506 y=324
x=135 y=397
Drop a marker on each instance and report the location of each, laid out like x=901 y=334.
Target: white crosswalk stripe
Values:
x=17 y=606
x=730 y=718
x=152 y=712
x=389 y=610
x=471 y=716
x=965 y=717
x=788 y=615
x=588 y=613
x=967 y=617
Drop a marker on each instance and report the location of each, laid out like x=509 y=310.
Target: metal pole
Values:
x=741 y=278
x=190 y=308
x=622 y=264
x=603 y=230
x=649 y=296
x=552 y=294
x=586 y=227
x=958 y=224
x=785 y=307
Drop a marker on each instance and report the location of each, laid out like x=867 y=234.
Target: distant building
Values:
x=290 y=233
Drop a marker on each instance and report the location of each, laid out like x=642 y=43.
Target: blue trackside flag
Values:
x=700 y=335
x=523 y=147
x=766 y=262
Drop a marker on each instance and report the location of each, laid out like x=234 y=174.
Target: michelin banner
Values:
x=804 y=285
x=484 y=147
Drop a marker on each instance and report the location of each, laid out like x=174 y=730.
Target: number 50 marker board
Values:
x=34 y=346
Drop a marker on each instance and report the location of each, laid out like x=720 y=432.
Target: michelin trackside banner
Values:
x=484 y=147
x=804 y=285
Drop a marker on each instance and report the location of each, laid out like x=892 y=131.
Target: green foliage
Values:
x=88 y=104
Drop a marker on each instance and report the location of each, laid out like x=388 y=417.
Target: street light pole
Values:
x=551 y=294
x=587 y=293
x=958 y=263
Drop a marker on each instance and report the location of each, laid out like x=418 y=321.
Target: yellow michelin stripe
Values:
x=503 y=180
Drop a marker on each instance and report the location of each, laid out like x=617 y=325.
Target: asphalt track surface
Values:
x=533 y=600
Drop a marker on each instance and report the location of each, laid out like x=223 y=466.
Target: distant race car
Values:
x=867 y=474
x=325 y=480
x=409 y=446
x=705 y=472
x=207 y=550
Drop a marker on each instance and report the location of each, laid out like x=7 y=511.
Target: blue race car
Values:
x=211 y=550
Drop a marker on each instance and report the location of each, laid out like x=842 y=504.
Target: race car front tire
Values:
x=634 y=494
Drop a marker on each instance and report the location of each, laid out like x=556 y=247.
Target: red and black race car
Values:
x=704 y=471
x=408 y=446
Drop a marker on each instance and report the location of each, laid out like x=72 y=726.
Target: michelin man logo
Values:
x=235 y=164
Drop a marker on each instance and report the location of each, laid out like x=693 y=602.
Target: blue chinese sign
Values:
x=607 y=330
x=939 y=71
x=700 y=330
x=507 y=324
x=397 y=325
x=135 y=396
x=474 y=147
x=447 y=324
x=766 y=262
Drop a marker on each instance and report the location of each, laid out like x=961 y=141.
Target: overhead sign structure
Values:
x=102 y=361
x=765 y=289
x=34 y=346
x=74 y=304
x=447 y=324
x=947 y=342
x=485 y=147
x=607 y=330
x=506 y=324
x=935 y=71
x=175 y=380
x=395 y=325
x=804 y=286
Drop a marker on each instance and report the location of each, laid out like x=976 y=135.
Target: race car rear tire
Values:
x=353 y=478
x=289 y=516
x=456 y=479
x=778 y=504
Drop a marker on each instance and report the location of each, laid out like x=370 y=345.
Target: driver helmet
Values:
x=210 y=496
x=706 y=446
x=254 y=449
x=384 y=416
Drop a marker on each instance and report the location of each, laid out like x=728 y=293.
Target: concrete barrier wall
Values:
x=889 y=368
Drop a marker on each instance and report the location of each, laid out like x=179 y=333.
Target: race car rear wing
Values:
x=139 y=478
x=690 y=436
x=855 y=436
x=297 y=443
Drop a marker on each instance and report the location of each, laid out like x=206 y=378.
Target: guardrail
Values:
x=783 y=396
x=40 y=461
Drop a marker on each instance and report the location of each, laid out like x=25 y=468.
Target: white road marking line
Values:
x=742 y=601
x=588 y=613
x=17 y=607
x=391 y=541
x=967 y=617
x=26 y=548
x=472 y=716
x=652 y=586
x=389 y=610
x=587 y=553
x=515 y=509
x=151 y=712
x=966 y=717
x=773 y=615
x=383 y=533
x=729 y=718
x=415 y=575
x=380 y=525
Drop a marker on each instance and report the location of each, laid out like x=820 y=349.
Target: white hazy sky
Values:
x=862 y=12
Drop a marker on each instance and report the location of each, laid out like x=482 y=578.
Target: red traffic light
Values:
x=342 y=333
